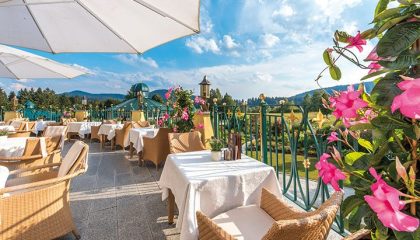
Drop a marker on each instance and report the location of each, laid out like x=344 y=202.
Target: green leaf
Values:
x=404 y=60
x=381 y=230
x=404 y=235
x=350 y=203
x=374 y=74
x=386 y=123
x=341 y=36
x=385 y=90
x=389 y=24
x=386 y=14
x=368 y=34
x=351 y=157
x=398 y=39
x=366 y=144
x=335 y=72
x=362 y=126
x=381 y=6
x=327 y=58
x=356 y=218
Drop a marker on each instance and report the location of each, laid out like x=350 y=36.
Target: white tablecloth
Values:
x=136 y=136
x=14 y=147
x=213 y=187
x=7 y=128
x=16 y=123
x=82 y=128
x=109 y=129
x=41 y=125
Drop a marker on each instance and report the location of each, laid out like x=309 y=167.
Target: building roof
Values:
x=140 y=87
x=132 y=104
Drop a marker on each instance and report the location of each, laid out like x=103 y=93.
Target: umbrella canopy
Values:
x=18 y=64
x=119 y=26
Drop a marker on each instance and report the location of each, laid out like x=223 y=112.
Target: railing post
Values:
x=263 y=130
x=215 y=119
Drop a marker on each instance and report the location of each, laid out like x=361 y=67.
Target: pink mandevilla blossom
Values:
x=199 y=100
x=333 y=137
x=328 y=172
x=160 y=122
x=366 y=118
x=165 y=117
x=347 y=103
x=356 y=41
x=374 y=67
x=373 y=56
x=200 y=126
x=409 y=101
x=386 y=203
x=168 y=93
x=185 y=115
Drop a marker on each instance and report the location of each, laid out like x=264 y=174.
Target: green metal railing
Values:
x=285 y=137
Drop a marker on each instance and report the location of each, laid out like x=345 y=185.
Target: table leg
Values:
x=112 y=144
x=171 y=207
x=101 y=138
x=131 y=150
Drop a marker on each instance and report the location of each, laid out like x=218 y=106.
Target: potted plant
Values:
x=216 y=146
x=3 y=135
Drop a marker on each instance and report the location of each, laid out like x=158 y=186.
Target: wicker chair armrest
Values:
x=361 y=234
x=27 y=158
x=29 y=186
x=18 y=171
x=279 y=209
x=303 y=228
x=23 y=131
x=208 y=230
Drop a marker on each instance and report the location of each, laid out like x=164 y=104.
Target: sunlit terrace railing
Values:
x=288 y=138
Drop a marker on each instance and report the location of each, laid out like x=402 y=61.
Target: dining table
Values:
x=194 y=183
x=135 y=139
x=81 y=128
x=41 y=125
x=15 y=147
x=107 y=131
x=7 y=128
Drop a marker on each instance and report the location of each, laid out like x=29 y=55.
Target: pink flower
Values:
x=160 y=122
x=328 y=172
x=175 y=129
x=409 y=101
x=386 y=203
x=200 y=126
x=185 y=115
x=374 y=67
x=199 y=100
x=199 y=112
x=356 y=41
x=333 y=137
x=368 y=115
x=168 y=93
x=373 y=56
x=347 y=103
x=165 y=117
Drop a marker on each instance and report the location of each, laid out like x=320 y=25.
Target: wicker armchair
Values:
x=32 y=155
x=94 y=130
x=56 y=131
x=274 y=219
x=37 y=207
x=121 y=135
x=185 y=142
x=25 y=134
x=156 y=149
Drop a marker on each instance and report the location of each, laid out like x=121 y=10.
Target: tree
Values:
x=157 y=98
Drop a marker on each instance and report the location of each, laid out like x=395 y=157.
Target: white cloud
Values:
x=135 y=60
x=269 y=40
x=201 y=45
x=263 y=77
x=229 y=42
x=332 y=9
x=284 y=11
x=17 y=86
x=350 y=27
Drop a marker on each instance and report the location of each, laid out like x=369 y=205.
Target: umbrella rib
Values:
x=37 y=25
x=107 y=26
x=8 y=69
x=49 y=69
x=164 y=14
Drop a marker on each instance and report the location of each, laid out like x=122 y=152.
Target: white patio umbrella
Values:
x=119 y=26
x=18 y=64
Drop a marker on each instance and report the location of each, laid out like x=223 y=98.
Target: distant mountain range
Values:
x=298 y=98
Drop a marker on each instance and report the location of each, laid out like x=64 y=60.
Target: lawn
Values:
x=312 y=173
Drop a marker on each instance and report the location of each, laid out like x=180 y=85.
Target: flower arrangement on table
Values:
x=67 y=114
x=384 y=171
x=183 y=110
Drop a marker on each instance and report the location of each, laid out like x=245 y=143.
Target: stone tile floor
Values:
x=117 y=199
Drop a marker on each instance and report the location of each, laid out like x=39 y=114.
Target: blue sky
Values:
x=246 y=47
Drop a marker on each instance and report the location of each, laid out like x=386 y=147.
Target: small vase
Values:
x=216 y=156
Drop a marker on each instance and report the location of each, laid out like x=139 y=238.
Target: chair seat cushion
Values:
x=245 y=223
x=4 y=174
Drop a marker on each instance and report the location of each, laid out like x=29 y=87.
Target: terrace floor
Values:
x=117 y=199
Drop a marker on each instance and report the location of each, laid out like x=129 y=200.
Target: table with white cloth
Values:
x=136 y=137
x=41 y=125
x=195 y=183
x=107 y=131
x=15 y=147
x=81 y=128
x=7 y=128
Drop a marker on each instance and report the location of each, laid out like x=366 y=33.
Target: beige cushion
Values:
x=70 y=158
x=245 y=223
x=4 y=174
